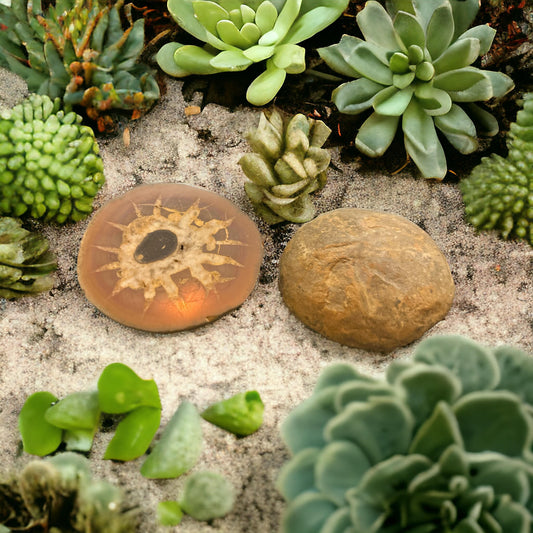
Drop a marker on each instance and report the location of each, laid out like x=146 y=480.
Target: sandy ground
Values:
x=59 y=342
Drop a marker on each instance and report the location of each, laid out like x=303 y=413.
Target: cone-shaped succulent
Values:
x=443 y=444
x=287 y=165
x=49 y=162
x=26 y=263
x=58 y=494
x=240 y=33
x=498 y=194
x=77 y=50
x=414 y=71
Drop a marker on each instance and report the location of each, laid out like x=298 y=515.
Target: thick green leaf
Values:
x=409 y=30
x=381 y=427
x=460 y=54
x=121 y=390
x=439 y=32
x=241 y=414
x=307 y=514
x=290 y=57
x=459 y=129
x=422 y=143
x=179 y=447
x=392 y=101
x=486 y=123
x=377 y=27
x=265 y=87
x=165 y=59
x=283 y=23
x=134 y=434
x=39 y=437
x=209 y=13
x=376 y=134
x=371 y=63
x=230 y=61
x=169 y=513
x=79 y=410
x=194 y=60
x=355 y=96
x=231 y=35
x=258 y=169
x=516 y=372
x=484 y=34
x=337 y=56
x=250 y=32
x=259 y=53
x=297 y=475
x=464 y=13
x=434 y=101
x=501 y=83
x=266 y=16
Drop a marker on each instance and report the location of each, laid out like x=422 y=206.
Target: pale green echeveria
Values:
x=442 y=444
x=238 y=34
x=414 y=70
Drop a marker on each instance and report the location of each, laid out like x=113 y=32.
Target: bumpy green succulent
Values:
x=288 y=165
x=26 y=263
x=49 y=162
x=59 y=495
x=442 y=445
x=499 y=192
x=238 y=34
x=77 y=50
x=414 y=69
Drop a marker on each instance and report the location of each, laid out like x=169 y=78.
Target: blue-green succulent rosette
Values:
x=442 y=445
x=238 y=34
x=414 y=70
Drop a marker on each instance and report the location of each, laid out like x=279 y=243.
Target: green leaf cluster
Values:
x=442 y=444
x=413 y=70
x=498 y=194
x=45 y=422
x=50 y=166
x=59 y=494
x=26 y=264
x=238 y=34
x=287 y=165
x=78 y=51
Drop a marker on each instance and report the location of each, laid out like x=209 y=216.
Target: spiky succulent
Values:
x=414 y=69
x=240 y=33
x=443 y=444
x=49 y=162
x=26 y=263
x=58 y=494
x=498 y=194
x=78 y=50
x=287 y=165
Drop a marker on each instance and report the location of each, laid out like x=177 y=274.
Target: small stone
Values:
x=366 y=279
x=168 y=257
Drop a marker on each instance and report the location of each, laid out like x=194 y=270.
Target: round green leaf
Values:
x=409 y=30
x=165 y=59
x=298 y=474
x=290 y=57
x=231 y=60
x=79 y=410
x=39 y=437
x=392 y=101
x=265 y=87
x=355 y=96
x=376 y=134
x=372 y=17
x=307 y=513
x=169 y=513
x=194 y=60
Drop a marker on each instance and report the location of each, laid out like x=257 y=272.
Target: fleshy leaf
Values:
x=516 y=372
x=460 y=54
x=286 y=18
x=376 y=134
x=439 y=32
x=79 y=410
x=169 y=513
x=368 y=59
x=355 y=96
x=194 y=60
x=337 y=55
x=165 y=59
x=307 y=514
x=373 y=16
x=265 y=87
x=392 y=101
x=39 y=437
x=230 y=61
x=459 y=129
x=409 y=30
x=298 y=474
x=484 y=34
x=290 y=57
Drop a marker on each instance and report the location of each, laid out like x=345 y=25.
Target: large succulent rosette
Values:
x=414 y=70
x=238 y=34
x=441 y=445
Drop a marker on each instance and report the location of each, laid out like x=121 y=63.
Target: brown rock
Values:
x=366 y=279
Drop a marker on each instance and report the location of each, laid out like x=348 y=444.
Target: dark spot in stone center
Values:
x=155 y=246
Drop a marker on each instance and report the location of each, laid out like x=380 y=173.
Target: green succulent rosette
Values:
x=498 y=194
x=238 y=34
x=442 y=444
x=414 y=70
x=50 y=167
x=80 y=52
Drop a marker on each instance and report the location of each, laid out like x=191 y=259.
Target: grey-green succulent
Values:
x=238 y=34
x=498 y=194
x=26 y=263
x=49 y=162
x=442 y=445
x=78 y=50
x=414 y=69
x=58 y=495
x=287 y=165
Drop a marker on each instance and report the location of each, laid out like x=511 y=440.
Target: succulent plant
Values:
x=58 y=494
x=498 y=194
x=26 y=263
x=49 y=162
x=443 y=444
x=240 y=33
x=287 y=165
x=415 y=68
x=78 y=50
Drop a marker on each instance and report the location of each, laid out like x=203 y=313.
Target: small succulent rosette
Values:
x=414 y=70
x=443 y=444
x=498 y=194
x=238 y=34
x=287 y=165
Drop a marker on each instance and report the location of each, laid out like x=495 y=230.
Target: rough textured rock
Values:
x=365 y=278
